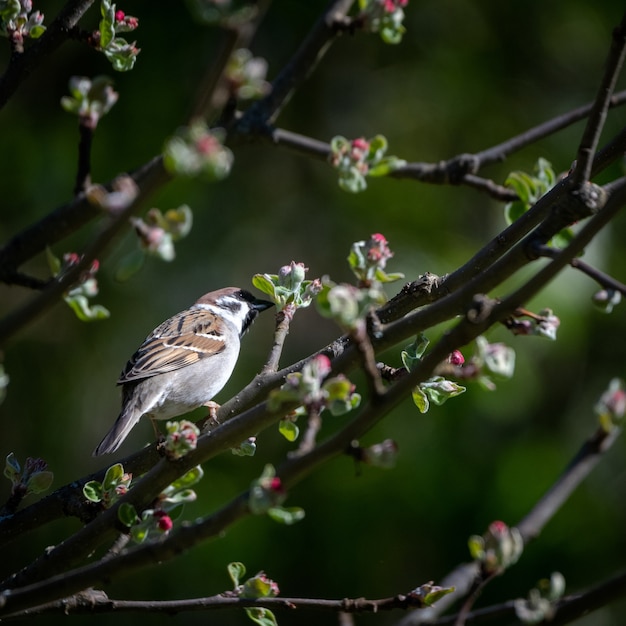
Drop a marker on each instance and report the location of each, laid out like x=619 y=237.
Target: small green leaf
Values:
x=392 y=35
x=236 y=571
x=563 y=238
x=85 y=313
x=107 y=23
x=438 y=389
x=39 y=482
x=420 y=399
x=264 y=284
x=93 y=491
x=386 y=166
x=179 y=498
x=127 y=514
x=245 y=448
x=193 y=476
x=378 y=147
x=139 y=533
x=476 y=545
x=436 y=594
x=522 y=185
x=352 y=181
x=256 y=587
x=12 y=469
x=113 y=476
x=513 y=211
x=288 y=430
x=36 y=31
x=287 y=516
x=383 y=277
x=413 y=353
x=261 y=616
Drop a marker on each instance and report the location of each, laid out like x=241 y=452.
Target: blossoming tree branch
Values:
x=132 y=510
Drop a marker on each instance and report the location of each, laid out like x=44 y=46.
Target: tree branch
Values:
x=21 y=65
x=597 y=115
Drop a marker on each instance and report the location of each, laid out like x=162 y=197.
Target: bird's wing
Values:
x=182 y=340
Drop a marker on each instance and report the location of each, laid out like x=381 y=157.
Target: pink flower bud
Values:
x=361 y=144
x=164 y=521
x=322 y=365
x=498 y=528
x=119 y=16
x=207 y=144
x=456 y=358
x=276 y=485
x=71 y=258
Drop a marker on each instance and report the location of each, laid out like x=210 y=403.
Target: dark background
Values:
x=465 y=77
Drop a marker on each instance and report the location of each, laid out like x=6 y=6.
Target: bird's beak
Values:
x=261 y=305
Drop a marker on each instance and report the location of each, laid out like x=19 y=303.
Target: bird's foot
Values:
x=211 y=421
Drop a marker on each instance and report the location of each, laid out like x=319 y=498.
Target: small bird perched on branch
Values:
x=183 y=362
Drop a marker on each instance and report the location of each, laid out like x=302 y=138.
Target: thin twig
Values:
x=21 y=65
x=597 y=116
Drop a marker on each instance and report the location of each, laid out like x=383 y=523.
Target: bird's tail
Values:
x=123 y=425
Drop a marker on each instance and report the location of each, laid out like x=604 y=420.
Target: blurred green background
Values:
x=466 y=76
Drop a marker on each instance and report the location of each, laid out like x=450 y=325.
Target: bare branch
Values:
x=597 y=116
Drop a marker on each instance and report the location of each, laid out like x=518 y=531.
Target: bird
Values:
x=184 y=361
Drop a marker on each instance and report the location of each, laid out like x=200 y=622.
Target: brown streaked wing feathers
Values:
x=167 y=348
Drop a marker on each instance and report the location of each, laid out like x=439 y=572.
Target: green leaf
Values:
x=339 y=144
x=383 y=277
x=261 y=616
x=476 y=545
x=263 y=282
x=10 y=10
x=352 y=181
x=193 y=476
x=288 y=429
x=36 y=31
x=256 y=587
x=113 y=476
x=139 y=533
x=85 y=313
x=236 y=571
x=413 y=353
x=287 y=516
x=513 y=211
x=420 y=399
x=438 y=389
x=179 y=498
x=12 y=467
x=107 y=23
x=522 y=184
x=245 y=448
x=392 y=35
x=436 y=594
x=386 y=166
x=93 y=491
x=340 y=407
x=127 y=514
x=378 y=147
x=39 y=482
x=563 y=238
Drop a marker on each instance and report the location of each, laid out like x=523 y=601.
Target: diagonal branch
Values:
x=597 y=116
x=264 y=112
